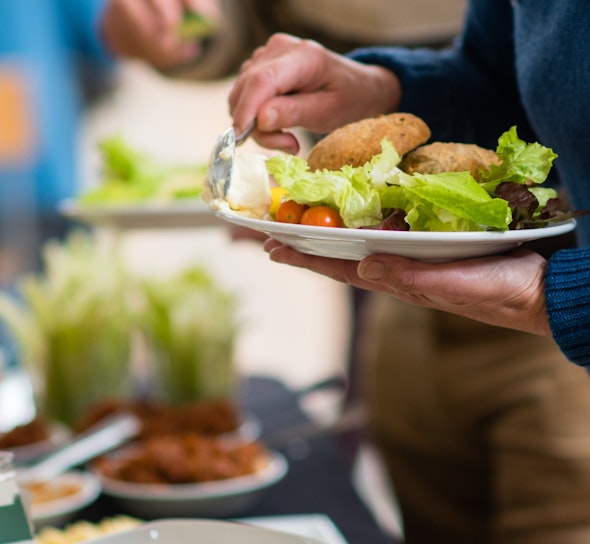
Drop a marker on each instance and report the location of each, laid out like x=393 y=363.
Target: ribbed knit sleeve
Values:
x=567 y=293
x=452 y=88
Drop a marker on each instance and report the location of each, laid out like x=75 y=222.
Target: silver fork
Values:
x=221 y=161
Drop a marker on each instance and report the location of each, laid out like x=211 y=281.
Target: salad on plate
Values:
x=436 y=187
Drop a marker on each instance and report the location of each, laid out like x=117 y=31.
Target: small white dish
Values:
x=204 y=531
x=60 y=510
x=356 y=244
x=217 y=498
x=148 y=215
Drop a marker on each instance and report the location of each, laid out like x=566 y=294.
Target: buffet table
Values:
x=319 y=476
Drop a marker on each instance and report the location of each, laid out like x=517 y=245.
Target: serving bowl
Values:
x=228 y=497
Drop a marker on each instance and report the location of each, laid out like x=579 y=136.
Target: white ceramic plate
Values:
x=219 y=498
x=181 y=214
x=58 y=435
x=202 y=531
x=356 y=244
x=317 y=526
x=61 y=510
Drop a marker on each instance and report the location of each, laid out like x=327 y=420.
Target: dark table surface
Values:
x=319 y=476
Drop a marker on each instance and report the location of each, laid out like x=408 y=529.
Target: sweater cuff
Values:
x=425 y=91
x=567 y=294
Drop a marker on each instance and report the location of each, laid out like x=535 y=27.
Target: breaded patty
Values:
x=440 y=157
x=356 y=143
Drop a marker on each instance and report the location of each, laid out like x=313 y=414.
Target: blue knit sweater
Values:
x=524 y=63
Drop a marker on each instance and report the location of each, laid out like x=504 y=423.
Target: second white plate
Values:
x=356 y=244
x=179 y=214
x=217 y=498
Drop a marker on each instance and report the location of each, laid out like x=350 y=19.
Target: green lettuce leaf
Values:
x=451 y=201
x=348 y=190
x=521 y=162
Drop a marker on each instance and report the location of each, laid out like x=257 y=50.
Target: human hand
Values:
x=505 y=290
x=149 y=29
x=291 y=82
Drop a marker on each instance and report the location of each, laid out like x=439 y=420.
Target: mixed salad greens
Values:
x=130 y=176
x=379 y=195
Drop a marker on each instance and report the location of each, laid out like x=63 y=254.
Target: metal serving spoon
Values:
x=221 y=161
x=104 y=436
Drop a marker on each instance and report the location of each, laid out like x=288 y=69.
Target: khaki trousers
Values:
x=485 y=431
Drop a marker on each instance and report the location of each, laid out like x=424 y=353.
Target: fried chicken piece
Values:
x=356 y=143
x=439 y=157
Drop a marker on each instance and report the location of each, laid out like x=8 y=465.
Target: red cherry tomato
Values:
x=290 y=211
x=322 y=216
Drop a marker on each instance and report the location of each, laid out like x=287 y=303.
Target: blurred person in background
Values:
x=237 y=27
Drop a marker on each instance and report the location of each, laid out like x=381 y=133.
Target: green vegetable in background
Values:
x=190 y=328
x=129 y=176
x=71 y=325
x=76 y=323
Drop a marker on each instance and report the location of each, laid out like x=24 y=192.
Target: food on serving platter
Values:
x=211 y=417
x=356 y=143
x=35 y=430
x=44 y=492
x=81 y=531
x=131 y=176
x=405 y=184
x=182 y=459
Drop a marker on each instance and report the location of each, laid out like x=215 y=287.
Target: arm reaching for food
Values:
x=291 y=82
